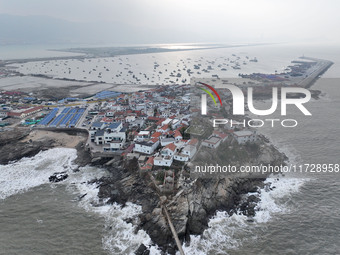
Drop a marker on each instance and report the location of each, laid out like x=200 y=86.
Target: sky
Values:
x=198 y=20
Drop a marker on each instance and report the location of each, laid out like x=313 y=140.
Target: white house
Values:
x=110 y=113
x=147 y=147
x=137 y=123
x=181 y=157
x=95 y=127
x=130 y=118
x=245 y=136
x=169 y=150
x=140 y=106
x=3 y=114
x=212 y=142
x=163 y=129
x=187 y=153
x=167 y=155
x=189 y=150
x=99 y=137
x=114 y=135
x=175 y=123
x=150 y=112
x=142 y=136
x=166 y=122
x=166 y=141
x=163 y=161
x=178 y=135
x=116 y=145
x=114 y=106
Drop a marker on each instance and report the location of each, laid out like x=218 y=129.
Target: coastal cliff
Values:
x=23 y=142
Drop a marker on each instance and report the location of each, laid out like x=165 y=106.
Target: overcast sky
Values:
x=209 y=21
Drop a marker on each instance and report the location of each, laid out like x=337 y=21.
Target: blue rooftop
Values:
x=97 y=124
x=107 y=94
x=114 y=125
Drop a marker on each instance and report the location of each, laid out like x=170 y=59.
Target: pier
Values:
x=320 y=68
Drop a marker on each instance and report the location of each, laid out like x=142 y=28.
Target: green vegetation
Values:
x=160 y=176
x=228 y=153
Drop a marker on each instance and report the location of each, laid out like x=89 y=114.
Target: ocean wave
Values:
x=275 y=196
x=119 y=236
x=227 y=233
x=27 y=173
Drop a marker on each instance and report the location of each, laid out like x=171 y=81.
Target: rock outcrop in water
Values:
x=58 y=177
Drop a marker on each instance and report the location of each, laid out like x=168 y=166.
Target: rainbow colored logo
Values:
x=209 y=93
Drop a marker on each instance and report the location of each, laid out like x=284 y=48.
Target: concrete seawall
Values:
x=70 y=131
x=312 y=77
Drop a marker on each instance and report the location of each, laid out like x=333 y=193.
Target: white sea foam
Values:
x=229 y=232
x=119 y=237
x=223 y=234
x=275 y=196
x=27 y=173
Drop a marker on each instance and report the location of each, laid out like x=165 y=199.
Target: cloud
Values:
x=201 y=20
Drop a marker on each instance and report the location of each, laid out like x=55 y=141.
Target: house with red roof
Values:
x=143 y=135
x=169 y=149
x=147 y=147
x=178 y=136
x=26 y=112
x=193 y=141
x=156 y=134
x=215 y=139
x=107 y=120
x=163 y=129
x=167 y=155
x=148 y=165
x=212 y=142
x=221 y=135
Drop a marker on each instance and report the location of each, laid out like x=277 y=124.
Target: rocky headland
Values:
x=191 y=204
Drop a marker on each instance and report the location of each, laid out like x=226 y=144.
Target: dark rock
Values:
x=190 y=210
x=171 y=250
x=83 y=156
x=81 y=196
x=253 y=199
x=19 y=149
x=142 y=250
x=248 y=207
x=58 y=177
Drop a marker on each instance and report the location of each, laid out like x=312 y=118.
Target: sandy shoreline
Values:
x=61 y=139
